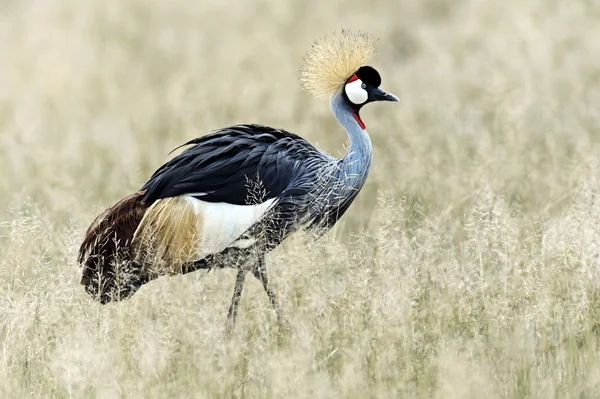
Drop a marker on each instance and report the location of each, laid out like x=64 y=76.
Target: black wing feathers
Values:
x=222 y=166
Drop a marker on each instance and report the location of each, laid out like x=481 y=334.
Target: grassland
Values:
x=468 y=267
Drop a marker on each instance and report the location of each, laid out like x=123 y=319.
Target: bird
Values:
x=234 y=194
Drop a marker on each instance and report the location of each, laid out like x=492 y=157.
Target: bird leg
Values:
x=237 y=293
x=260 y=272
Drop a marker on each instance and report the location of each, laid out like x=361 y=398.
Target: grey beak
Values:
x=380 y=95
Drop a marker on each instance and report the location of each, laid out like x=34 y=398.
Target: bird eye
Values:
x=364 y=85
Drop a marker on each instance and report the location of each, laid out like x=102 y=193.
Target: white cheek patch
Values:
x=356 y=93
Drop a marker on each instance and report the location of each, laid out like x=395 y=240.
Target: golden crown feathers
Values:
x=333 y=59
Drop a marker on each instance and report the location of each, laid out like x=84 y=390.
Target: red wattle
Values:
x=360 y=122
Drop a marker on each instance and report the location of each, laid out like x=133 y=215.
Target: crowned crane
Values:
x=234 y=194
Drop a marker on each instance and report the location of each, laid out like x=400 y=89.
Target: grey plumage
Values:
x=311 y=188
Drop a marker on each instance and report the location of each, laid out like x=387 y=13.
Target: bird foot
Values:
x=229 y=327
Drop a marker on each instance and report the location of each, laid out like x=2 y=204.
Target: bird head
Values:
x=363 y=87
x=335 y=66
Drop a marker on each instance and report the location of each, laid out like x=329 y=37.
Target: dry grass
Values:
x=468 y=267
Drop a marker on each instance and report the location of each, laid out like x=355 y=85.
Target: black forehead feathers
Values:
x=369 y=75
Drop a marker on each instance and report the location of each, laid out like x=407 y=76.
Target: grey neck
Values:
x=357 y=162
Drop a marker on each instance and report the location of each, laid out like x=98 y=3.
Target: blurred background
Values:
x=467 y=265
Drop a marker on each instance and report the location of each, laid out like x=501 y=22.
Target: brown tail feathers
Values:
x=105 y=254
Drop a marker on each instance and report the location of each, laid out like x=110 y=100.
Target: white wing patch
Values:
x=221 y=224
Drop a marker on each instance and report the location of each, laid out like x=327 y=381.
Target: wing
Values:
x=239 y=165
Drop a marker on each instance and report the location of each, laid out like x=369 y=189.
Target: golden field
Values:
x=468 y=267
